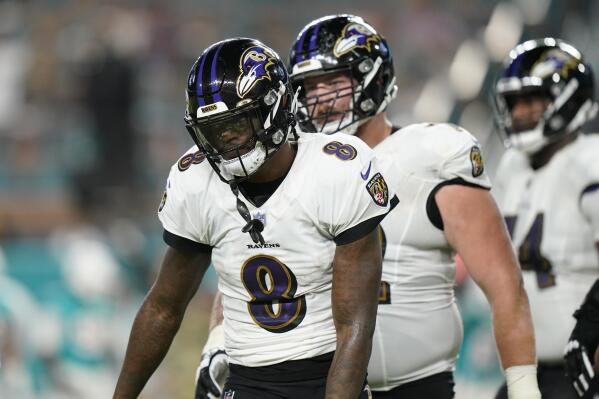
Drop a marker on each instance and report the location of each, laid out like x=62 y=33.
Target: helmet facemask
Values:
x=341 y=44
x=323 y=113
x=329 y=110
x=239 y=141
x=551 y=69
x=551 y=124
x=524 y=135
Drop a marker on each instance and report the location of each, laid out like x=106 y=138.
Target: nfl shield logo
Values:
x=261 y=217
x=377 y=188
x=228 y=394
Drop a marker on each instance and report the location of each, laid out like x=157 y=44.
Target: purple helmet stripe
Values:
x=300 y=45
x=313 y=38
x=199 y=83
x=213 y=82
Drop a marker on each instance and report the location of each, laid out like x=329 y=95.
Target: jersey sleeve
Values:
x=359 y=197
x=461 y=157
x=449 y=155
x=174 y=213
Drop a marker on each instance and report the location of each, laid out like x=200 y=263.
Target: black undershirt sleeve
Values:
x=589 y=189
x=432 y=210
x=362 y=229
x=184 y=244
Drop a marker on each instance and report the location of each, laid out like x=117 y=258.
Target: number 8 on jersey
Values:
x=272 y=287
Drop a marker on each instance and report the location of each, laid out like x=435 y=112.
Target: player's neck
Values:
x=277 y=166
x=543 y=157
x=375 y=130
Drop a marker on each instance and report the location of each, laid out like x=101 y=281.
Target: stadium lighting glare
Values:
x=503 y=30
x=435 y=103
x=534 y=12
x=468 y=69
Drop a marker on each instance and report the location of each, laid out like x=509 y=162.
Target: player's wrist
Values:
x=522 y=382
x=216 y=339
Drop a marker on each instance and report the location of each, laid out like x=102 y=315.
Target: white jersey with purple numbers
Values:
x=277 y=296
x=419 y=329
x=553 y=216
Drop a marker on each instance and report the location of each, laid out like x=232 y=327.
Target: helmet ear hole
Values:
x=367 y=105
x=270 y=98
x=366 y=66
x=277 y=137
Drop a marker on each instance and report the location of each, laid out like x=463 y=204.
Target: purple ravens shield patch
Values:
x=254 y=64
x=377 y=188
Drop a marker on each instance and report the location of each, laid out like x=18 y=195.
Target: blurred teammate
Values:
x=345 y=71
x=546 y=188
x=582 y=349
x=298 y=265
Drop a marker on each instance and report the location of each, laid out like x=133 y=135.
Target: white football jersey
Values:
x=419 y=329
x=277 y=296
x=554 y=233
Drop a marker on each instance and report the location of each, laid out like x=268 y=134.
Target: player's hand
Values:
x=578 y=366
x=213 y=371
x=212 y=374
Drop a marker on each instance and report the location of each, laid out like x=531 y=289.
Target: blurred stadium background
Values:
x=91 y=118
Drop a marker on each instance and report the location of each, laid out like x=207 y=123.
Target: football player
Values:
x=299 y=265
x=581 y=351
x=345 y=72
x=547 y=189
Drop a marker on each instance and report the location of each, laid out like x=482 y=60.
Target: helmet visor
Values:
x=230 y=135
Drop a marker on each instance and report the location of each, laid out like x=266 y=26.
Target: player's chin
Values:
x=524 y=126
x=331 y=120
x=337 y=116
x=237 y=151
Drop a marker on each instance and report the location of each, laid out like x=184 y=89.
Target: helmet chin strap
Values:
x=253 y=226
x=248 y=163
x=349 y=125
x=332 y=127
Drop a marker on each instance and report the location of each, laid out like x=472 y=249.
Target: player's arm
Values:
x=159 y=318
x=216 y=315
x=475 y=229
x=213 y=370
x=356 y=278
